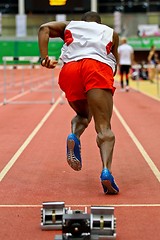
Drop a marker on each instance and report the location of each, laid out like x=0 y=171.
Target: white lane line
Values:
x=138 y=145
x=28 y=140
x=114 y=205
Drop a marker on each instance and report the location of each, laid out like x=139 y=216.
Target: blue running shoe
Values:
x=74 y=152
x=108 y=182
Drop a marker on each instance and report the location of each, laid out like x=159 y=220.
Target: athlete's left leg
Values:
x=78 y=124
x=83 y=116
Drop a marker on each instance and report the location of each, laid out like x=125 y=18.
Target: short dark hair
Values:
x=91 y=17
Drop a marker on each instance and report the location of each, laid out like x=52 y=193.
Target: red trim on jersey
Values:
x=108 y=47
x=68 y=39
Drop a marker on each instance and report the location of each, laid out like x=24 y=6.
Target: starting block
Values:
x=99 y=224
x=52 y=215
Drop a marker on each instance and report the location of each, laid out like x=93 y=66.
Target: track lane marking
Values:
x=146 y=157
x=28 y=140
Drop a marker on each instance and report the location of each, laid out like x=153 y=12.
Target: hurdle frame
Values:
x=137 y=67
x=32 y=61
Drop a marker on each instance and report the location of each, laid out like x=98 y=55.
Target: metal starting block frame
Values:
x=52 y=215
x=100 y=224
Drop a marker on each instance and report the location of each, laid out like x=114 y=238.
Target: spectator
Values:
x=126 y=58
x=153 y=61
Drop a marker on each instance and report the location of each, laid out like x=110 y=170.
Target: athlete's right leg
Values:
x=127 y=69
x=101 y=105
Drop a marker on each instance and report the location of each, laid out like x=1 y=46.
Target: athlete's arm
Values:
x=46 y=31
x=114 y=49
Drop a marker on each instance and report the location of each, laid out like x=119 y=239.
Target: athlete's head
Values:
x=91 y=17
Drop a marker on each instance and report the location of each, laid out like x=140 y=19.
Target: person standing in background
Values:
x=126 y=58
x=152 y=61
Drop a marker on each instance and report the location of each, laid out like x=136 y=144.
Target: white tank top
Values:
x=88 y=40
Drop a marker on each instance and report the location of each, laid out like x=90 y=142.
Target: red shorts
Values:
x=78 y=77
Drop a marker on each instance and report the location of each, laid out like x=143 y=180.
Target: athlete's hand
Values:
x=49 y=63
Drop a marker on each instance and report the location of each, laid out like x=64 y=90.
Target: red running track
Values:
x=34 y=170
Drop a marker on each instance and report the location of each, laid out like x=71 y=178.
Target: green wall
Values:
x=17 y=48
x=144 y=43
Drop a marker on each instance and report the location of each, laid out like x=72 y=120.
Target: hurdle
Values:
x=138 y=86
x=27 y=82
x=157 y=79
